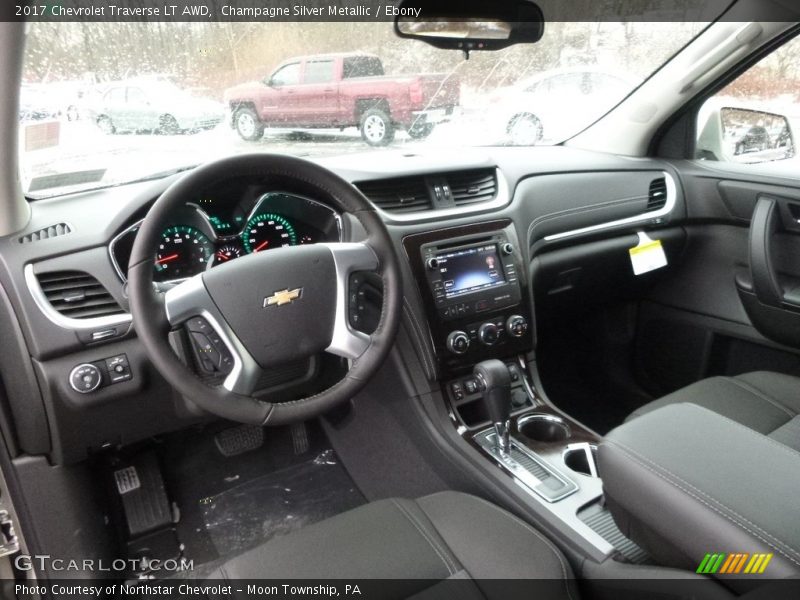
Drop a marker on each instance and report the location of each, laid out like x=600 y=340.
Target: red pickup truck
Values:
x=342 y=90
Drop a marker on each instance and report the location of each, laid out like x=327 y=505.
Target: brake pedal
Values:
x=238 y=440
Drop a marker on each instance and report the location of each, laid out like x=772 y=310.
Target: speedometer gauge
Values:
x=183 y=252
x=266 y=231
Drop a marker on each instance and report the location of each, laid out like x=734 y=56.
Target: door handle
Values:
x=763 y=226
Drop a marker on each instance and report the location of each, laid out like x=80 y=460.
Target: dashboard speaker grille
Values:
x=77 y=295
x=399 y=195
x=473 y=187
x=657 y=196
x=48 y=232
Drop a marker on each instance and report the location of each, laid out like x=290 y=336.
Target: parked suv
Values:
x=342 y=90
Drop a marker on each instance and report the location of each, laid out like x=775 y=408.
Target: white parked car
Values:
x=554 y=104
x=154 y=105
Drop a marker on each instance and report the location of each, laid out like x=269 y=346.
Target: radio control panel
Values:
x=475 y=293
x=473 y=277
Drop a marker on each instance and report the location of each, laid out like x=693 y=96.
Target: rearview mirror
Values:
x=470 y=24
x=744 y=135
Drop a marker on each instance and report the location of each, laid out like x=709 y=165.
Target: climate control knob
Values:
x=516 y=326
x=458 y=342
x=488 y=334
x=85 y=378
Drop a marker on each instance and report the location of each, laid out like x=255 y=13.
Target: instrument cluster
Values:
x=227 y=223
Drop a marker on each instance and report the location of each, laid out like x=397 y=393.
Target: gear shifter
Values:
x=495 y=383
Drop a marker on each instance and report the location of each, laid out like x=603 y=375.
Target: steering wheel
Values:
x=267 y=308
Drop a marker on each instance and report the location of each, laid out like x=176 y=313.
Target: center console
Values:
x=474 y=284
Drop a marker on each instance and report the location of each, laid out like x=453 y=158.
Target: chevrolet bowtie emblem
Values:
x=282 y=297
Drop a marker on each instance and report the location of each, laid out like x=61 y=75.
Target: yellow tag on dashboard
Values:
x=648 y=255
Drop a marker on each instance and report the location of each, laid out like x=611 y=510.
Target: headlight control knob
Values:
x=85 y=378
x=458 y=342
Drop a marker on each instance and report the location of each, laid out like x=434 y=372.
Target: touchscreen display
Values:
x=470 y=270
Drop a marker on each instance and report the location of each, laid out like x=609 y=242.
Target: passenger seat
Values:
x=764 y=401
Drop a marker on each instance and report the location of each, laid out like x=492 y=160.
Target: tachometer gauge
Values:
x=183 y=252
x=266 y=231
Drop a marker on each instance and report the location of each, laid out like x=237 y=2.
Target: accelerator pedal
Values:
x=300 y=438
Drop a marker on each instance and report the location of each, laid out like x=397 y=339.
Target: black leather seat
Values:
x=767 y=402
x=422 y=544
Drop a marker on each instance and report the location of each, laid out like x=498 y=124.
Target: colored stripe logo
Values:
x=734 y=563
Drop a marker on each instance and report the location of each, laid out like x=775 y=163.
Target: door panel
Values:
x=279 y=102
x=707 y=318
x=318 y=97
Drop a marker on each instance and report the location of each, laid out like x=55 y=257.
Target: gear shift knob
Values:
x=495 y=383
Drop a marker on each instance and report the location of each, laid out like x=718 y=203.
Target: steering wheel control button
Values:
x=458 y=342
x=119 y=369
x=489 y=334
x=517 y=326
x=210 y=351
x=85 y=378
x=355 y=300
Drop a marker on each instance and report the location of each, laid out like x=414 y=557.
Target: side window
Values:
x=362 y=66
x=286 y=75
x=568 y=84
x=754 y=119
x=319 y=71
x=115 y=95
x=136 y=96
x=606 y=84
x=535 y=87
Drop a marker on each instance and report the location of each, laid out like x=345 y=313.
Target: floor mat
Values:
x=230 y=503
x=278 y=503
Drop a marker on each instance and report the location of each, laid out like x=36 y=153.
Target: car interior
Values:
x=570 y=367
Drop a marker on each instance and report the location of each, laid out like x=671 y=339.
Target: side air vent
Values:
x=77 y=295
x=46 y=233
x=657 y=197
x=473 y=187
x=399 y=195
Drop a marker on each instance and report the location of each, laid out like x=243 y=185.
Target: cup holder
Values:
x=543 y=428
x=582 y=458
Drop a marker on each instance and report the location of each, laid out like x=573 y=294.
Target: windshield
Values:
x=108 y=103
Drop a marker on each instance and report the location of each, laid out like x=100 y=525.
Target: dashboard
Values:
x=84 y=241
x=228 y=221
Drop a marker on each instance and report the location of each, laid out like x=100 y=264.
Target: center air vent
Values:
x=77 y=295
x=399 y=195
x=472 y=187
x=657 y=197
